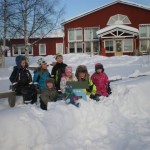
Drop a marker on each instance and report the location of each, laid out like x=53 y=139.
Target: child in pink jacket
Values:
x=101 y=81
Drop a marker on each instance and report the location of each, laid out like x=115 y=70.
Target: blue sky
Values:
x=76 y=7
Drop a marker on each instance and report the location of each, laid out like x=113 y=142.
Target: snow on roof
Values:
x=124 y=27
x=104 y=6
x=57 y=33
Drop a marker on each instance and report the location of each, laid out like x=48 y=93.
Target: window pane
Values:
x=94 y=33
x=143 y=45
x=109 y=45
x=143 y=31
x=79 y=47
x=15 y=50
x=95 y=47
x=88 y=46
x=148 y=31
x=71 y=47
x=128 y=45
x=22 y=49
x=42 y=49
x=71 y=35
x=78 y=34
x=87 y=34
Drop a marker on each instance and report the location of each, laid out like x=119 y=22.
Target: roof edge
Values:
x=104 y=6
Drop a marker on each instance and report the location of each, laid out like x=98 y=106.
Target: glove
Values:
x=14 y=86
x=95 y=97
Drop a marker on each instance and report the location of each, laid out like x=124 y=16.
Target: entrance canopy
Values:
x=117 y=31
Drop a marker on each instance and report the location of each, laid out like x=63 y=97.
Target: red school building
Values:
x=117 y=28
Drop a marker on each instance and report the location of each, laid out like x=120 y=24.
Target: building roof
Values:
x=108 y=29
x=104 y=6
x=57 y=33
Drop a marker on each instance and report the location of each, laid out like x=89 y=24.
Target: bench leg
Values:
x=12 y=100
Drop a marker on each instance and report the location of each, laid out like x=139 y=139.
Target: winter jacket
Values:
x=57 y=72
x=49 y=95
x=39 y=78
x=101 y=81
x=91 y=89
x=20 y=75
x=63 y=81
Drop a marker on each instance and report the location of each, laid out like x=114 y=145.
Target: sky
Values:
x=76 y=7
x=118 y=122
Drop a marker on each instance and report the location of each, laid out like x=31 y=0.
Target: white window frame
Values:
x=113 y=45
x=19 y=46
x=59 y=48
x=44 y=49
x=75 y=34
x=147 y=26
x=124 y=45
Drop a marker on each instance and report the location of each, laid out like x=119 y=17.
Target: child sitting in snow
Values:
x=101 y=81
x=68 y=76
x=82 y=75
x=22 y=81
x=48 y=94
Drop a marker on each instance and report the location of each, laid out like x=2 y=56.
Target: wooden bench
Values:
x=11 y=95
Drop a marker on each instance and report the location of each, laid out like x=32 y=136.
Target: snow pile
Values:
x=118 y=122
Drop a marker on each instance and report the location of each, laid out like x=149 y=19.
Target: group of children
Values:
x=52 y=86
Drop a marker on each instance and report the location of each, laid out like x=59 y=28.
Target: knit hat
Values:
x=58 y=55
x=50 y=80
x=82 y=68
x=99 y=66
x=68 y=69
x=41 y=61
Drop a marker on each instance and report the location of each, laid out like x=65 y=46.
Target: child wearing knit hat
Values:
x=68 y=76
x=101 y=81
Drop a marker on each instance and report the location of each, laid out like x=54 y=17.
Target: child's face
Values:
x=50 y=85
x=59 y=59
x=69 y=74
x=23 y=63
x=81 y=75
x=44 y=66
x=99 y=71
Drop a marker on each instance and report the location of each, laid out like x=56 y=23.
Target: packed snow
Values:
x=118 y=122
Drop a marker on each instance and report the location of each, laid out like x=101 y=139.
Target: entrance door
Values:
x=118 y=44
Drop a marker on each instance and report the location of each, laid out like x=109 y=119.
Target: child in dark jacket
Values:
x=58 y=70
x=22 y=81
x=41 y=74
x=49 y=94
x=100 y=79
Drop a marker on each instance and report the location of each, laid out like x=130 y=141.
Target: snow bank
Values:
x=119 y=122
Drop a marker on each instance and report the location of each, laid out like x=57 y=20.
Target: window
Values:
x=19 y=49
x=59 y=48
x=90 y=34
x=71 y=35
x=144 y=31
x=71 y=48
x=128 y=45
x=118 y=19
x=42 y=49
x=87 y=46
x=109 y=45
x=95 y=47
x=79 y=47
x=75 y=35
x=145 y=45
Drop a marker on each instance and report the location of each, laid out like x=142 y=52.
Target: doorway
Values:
x=118 y=45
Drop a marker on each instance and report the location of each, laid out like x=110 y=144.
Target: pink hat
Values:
x=68 y=69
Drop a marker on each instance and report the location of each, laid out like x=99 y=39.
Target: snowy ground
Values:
x=119 y=122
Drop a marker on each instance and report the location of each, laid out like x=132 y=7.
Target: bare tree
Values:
x=34 y=16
